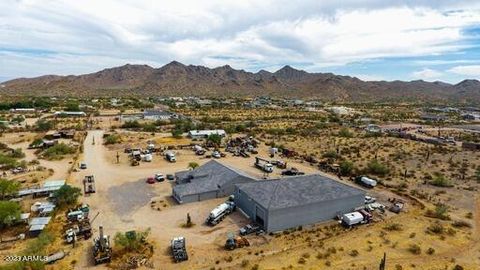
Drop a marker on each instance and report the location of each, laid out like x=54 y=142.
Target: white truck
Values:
x=263 y=165
x=170 y=156
x=220 y=212
x=365 y=181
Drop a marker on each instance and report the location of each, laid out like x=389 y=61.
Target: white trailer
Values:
x=352 y=218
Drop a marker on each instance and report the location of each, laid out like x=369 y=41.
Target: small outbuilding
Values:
x=281 y=204
x=209 y=181
x=202 y=134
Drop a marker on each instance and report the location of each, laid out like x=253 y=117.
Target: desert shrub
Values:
x=331 y=155
x=354 y=253
x=440 y=212
x=393 y=227
x=430 y=251
x=8 y=162
x=461 y=224
x=58 y=151
x=344 y=132
x=112 y=139
x=377 y=168
x=440 y=180
x=302 y=260
x=458 y=267
x=131 y=240
x=346 y=168
x=244 y=263
x=43 y=125
x=131 y=124
x=415 y=249
x=436 y=228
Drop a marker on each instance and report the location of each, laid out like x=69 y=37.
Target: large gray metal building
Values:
x=295 y=201
x=209 y=181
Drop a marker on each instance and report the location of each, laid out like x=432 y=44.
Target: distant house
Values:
x=471 y=117
x=202 y=134
x=70 y=114
x=433 y=117
x=23 y=110
x=209 y=181
x=47 y=188
x=157 y=115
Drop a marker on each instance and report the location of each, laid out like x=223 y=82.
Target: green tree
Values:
x=177 y=133
x=72 y=106
x=215 y=139
x=9 y=212
x=193 y=165
x=43 y=125
x=346 y=168
x=67 y=195
x=477 y=174
x=8 y=188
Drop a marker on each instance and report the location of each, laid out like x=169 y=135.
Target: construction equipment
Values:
x=220 y=212
x=89 y=184
x=236 y=242
x=102 y=250
x=134 y=162
x=263 y=164
x=82 y=229
x=179 y=250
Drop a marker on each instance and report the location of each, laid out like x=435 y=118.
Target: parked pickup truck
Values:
x=251 y=228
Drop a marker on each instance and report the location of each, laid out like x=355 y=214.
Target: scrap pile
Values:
x=242 y=146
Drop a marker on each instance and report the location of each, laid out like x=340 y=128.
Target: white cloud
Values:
x=470 y=71
x=427 y=74
x=79 y=36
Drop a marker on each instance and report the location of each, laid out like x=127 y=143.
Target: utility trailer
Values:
x=220 y=212
x=89 y=184
x=263 y=164
x=179 y=249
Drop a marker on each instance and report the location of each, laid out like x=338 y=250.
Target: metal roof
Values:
x=297 y=191
x=39 y=221
x=208 y=177
x=39 y=227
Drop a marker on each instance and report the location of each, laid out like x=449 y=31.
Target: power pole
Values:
x=118 y=158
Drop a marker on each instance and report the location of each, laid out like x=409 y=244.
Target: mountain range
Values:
x=177 y=79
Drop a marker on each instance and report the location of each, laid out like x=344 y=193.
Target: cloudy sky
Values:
x=371 y=39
